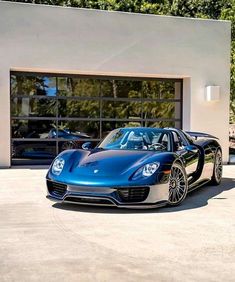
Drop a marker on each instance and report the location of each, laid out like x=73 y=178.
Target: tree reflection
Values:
x=135 y=101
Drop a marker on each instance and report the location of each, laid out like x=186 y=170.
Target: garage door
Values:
x=51 y=113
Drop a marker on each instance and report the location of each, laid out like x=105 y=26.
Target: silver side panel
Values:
x=207 y=171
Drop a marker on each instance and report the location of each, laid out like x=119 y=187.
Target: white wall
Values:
x=55 y=39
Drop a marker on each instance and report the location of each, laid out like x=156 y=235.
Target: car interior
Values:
x=144 y=141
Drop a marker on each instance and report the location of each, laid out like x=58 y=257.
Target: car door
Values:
x=188 y=153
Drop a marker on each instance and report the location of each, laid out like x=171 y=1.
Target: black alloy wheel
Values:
x=178 y=185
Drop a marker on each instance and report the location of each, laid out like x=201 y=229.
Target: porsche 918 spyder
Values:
x=136 y=168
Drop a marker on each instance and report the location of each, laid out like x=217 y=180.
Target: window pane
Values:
x=160 y=124
x=64 y=86
x=121 y=88
x=161 y=110
x=33 y=85
x=23 y=85
x=177 y=124
x=33 y=107
x=158 y=89
x=117 y=109
x=32 y=128
x=79 y=87
x=33 y=149
x=71 y=144
x=108 y=126
x=74 y=108
x=85 y=129
x=46 y=86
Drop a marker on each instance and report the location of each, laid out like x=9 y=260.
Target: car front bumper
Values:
x=143 y=197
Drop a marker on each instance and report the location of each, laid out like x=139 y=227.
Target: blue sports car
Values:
x=136 y=168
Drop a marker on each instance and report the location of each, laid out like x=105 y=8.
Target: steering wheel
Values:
x=157 y=147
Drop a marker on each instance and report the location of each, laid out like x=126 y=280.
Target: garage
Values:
x=70 y=76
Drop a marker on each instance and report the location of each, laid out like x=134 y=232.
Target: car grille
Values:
x=56 y=189
x=133 y=194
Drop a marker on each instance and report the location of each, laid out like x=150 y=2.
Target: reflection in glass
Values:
x=155 y=89
x=46 y=86
x=33 y=149
x=177 y=124
x=33 y=85
x=32 y=128
x=69 y=144
x=74 y=108
x=155 y=110
x=117 y=109
x=121 y=88
x=33 y=107
x=79 y=87
x=23 y=85
x=160 y=124
x=108 y=126
x=81 y=97
x=87 y=129
x=64 y=86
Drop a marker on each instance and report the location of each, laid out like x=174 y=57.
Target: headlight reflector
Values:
x=149 y=169
x=146 y=170
x=57 y=166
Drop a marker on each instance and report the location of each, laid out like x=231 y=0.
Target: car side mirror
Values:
x=86 y=146
x=192 y=149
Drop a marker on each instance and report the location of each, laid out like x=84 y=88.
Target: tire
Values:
x=218 y=169
x=178 y=185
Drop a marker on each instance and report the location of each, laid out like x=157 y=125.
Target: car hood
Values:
x=109 y=162
x=101 y=167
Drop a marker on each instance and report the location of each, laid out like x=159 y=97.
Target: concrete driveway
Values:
x=42 y=241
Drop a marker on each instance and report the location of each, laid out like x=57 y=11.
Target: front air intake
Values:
x=133 y=194
x=56 y=189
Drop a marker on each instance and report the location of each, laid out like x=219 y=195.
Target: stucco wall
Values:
x=55 y=39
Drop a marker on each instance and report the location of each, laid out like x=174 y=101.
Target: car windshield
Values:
x=151 y=139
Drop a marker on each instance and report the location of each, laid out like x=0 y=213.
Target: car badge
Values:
x=96 y=170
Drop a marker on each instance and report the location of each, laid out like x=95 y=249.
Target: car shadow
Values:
x=196 y=199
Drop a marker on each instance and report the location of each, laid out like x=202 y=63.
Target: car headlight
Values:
x=146 y=170
x=57 y=166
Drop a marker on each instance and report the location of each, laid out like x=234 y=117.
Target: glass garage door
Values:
x=51 y=113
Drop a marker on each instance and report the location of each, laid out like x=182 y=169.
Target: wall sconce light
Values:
x=212 y=93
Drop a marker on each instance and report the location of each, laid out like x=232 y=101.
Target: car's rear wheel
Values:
x=178 y=185
x=218 y=168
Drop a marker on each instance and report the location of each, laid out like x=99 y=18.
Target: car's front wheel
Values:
x=178 y=185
